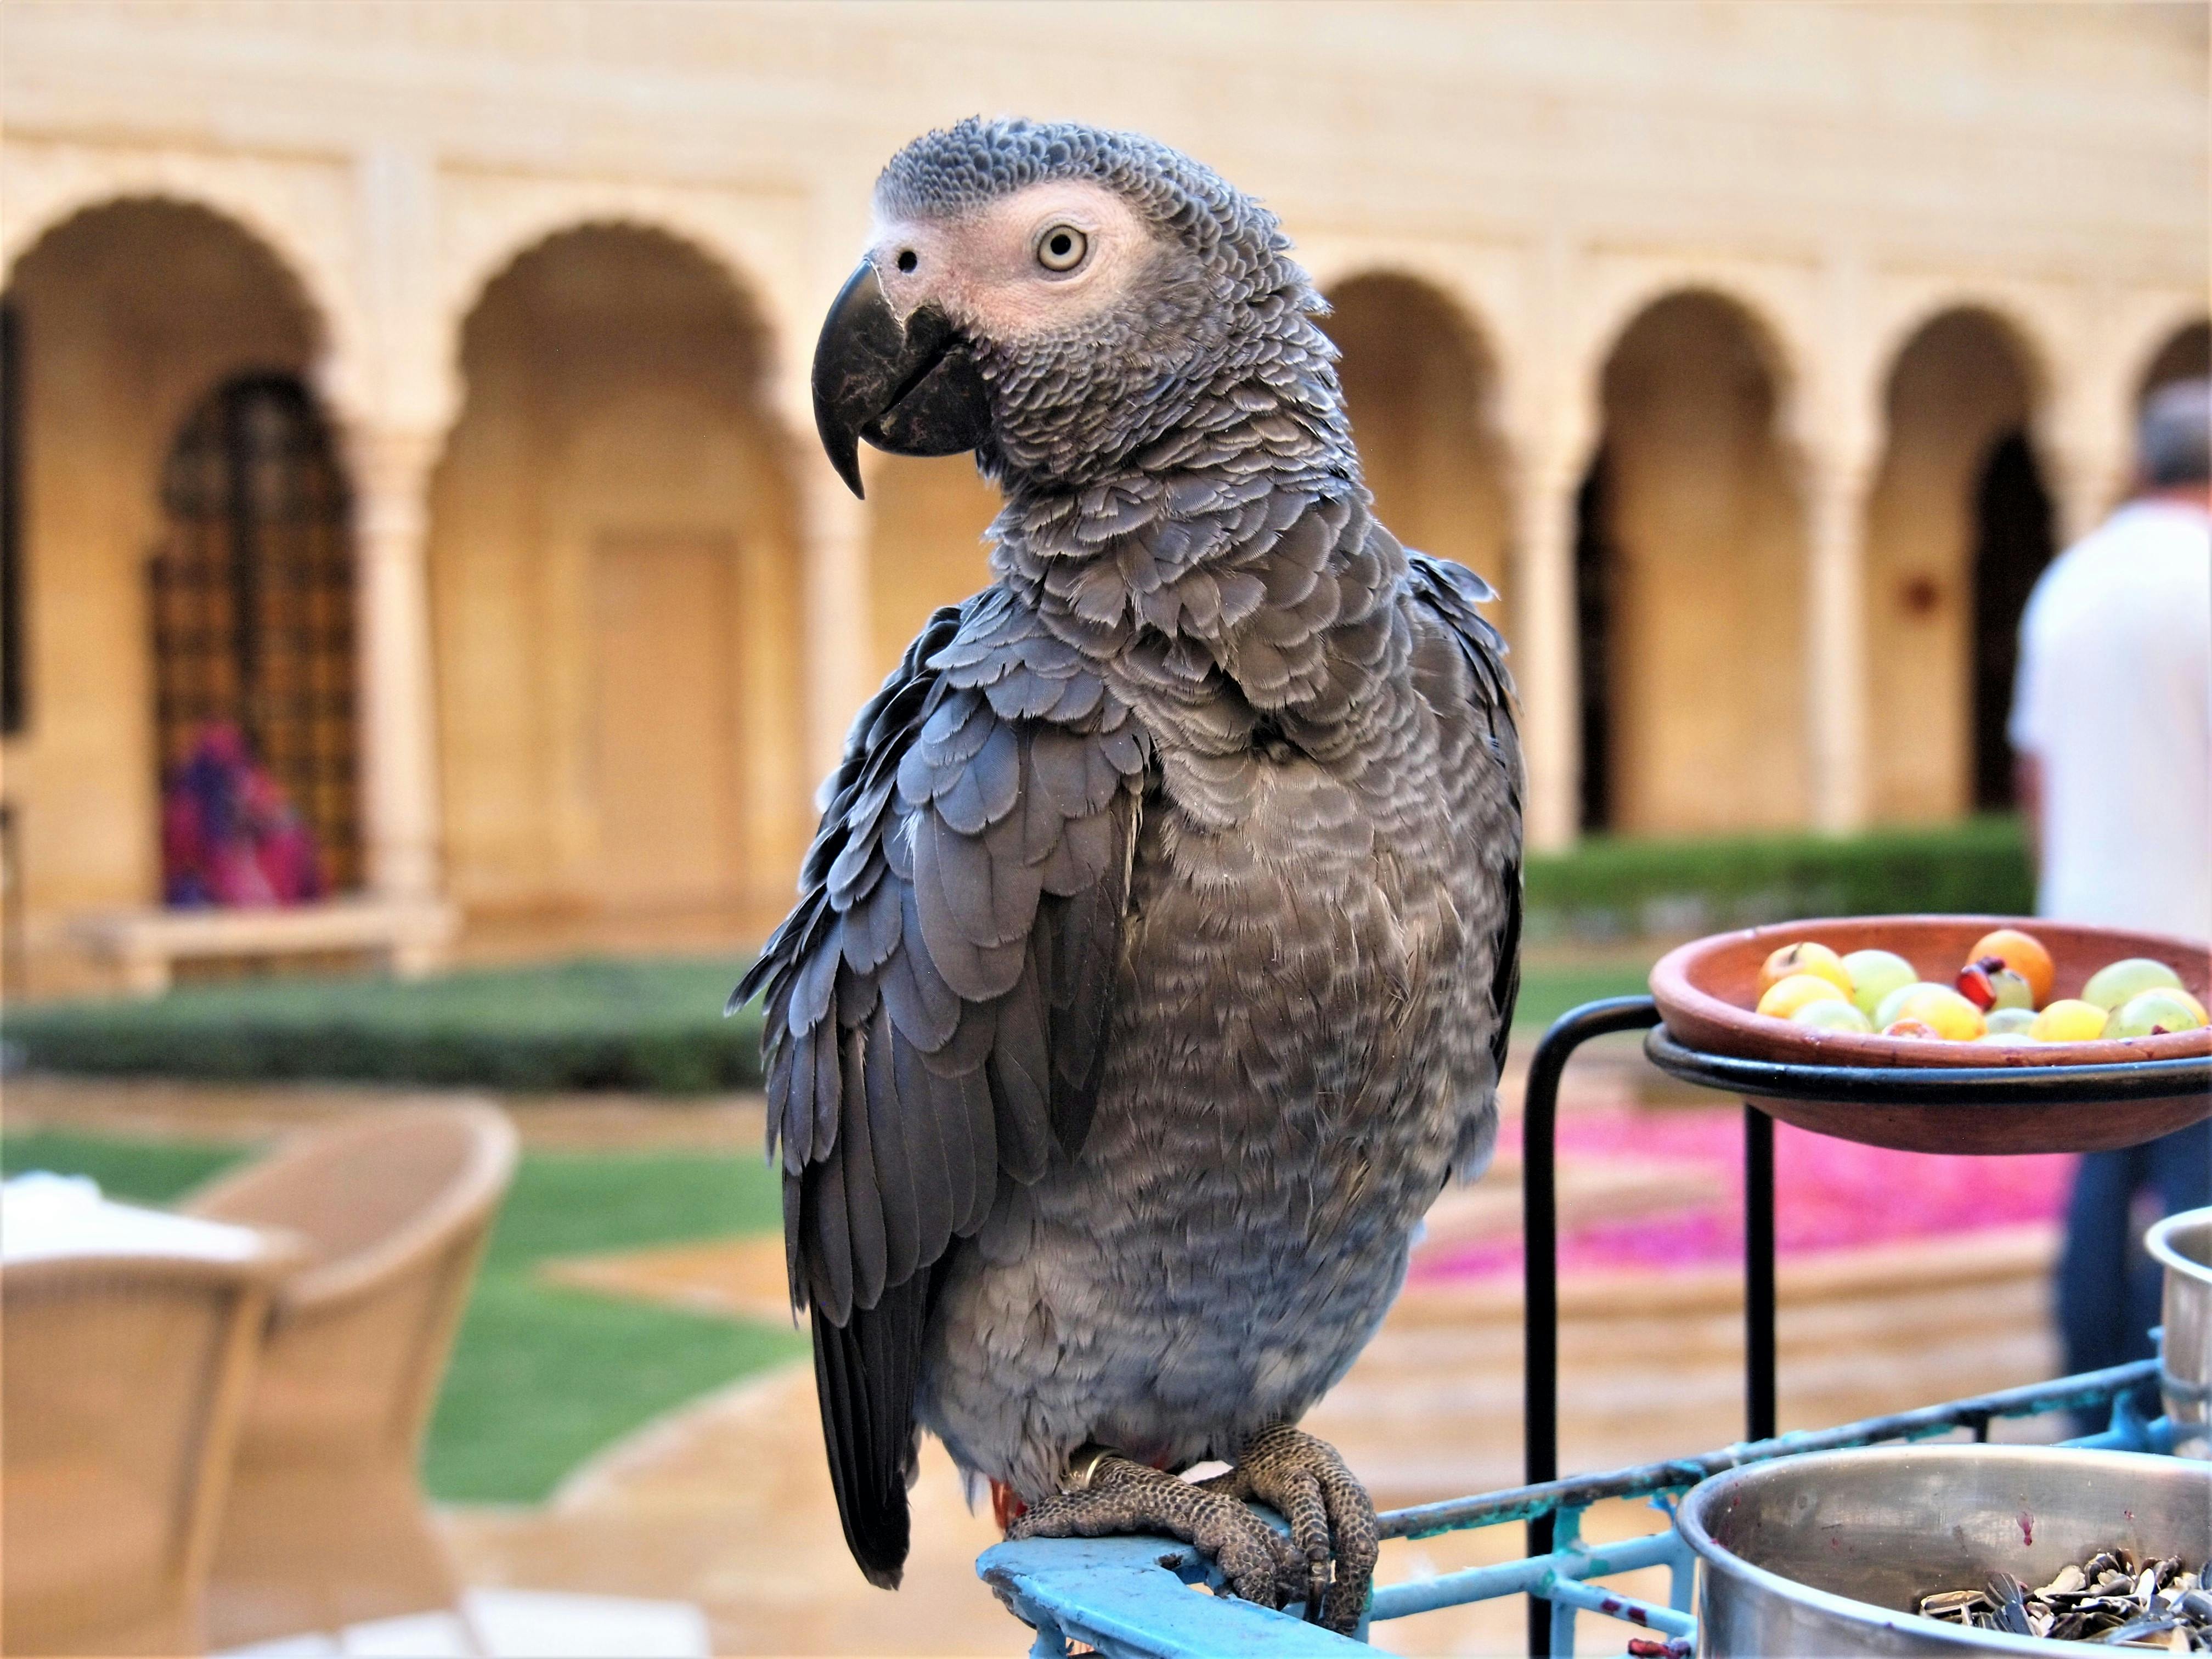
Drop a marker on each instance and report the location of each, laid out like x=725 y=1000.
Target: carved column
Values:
x=390 y=474
x=1835 y=639
x=840 y=674
x=1546 y=657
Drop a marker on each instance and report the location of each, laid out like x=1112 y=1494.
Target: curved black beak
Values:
x=913 y=389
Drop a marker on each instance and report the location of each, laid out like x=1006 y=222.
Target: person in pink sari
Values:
x=229 y=835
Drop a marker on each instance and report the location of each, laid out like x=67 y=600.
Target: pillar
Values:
x=391 y=477
x=1546 y=660
x=2085 y=484
x=838 y=626
x=1835 y=640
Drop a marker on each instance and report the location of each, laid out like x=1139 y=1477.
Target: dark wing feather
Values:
x=1451 y=592
x=937 y=1004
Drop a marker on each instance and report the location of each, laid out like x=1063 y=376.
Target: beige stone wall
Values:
x=1494 y=194
x=925 y=544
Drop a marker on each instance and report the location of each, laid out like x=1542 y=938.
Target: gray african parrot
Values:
x=1153 y=961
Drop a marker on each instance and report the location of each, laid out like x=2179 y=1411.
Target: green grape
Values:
x=1875 y=975
x=2115 y=982
x=2162 y=1008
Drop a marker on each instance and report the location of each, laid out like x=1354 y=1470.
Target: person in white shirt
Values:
x=2111 y=728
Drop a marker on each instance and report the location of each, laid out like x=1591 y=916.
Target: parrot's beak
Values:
x=912 y=388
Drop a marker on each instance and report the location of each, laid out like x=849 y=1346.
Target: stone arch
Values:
x=615 y=583
x=129 y=314
x=2183 y=352
x=2025 y=336
x=1424 y=389
x=1690 y=577
x=1959 y=523
x=490 y=230
x=1761 y=311
x=253 y=201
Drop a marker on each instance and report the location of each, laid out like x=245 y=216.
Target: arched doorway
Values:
x=1689 y=572
x=1419 y=389
x=2013 y=541
x=124 y=321
x=615 y=584
x=251 y=597
x=1958 y=527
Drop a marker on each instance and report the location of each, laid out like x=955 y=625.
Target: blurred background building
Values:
x=420 y=389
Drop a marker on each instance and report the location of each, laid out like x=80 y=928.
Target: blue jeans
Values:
x=2108 y=1288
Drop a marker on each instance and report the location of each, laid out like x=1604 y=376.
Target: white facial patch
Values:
x=993 y=271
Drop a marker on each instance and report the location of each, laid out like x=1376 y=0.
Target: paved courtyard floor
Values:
x=723 y=1504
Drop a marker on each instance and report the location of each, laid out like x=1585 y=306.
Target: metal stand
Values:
x=1540 y=1263
x=1758 y=1274
x=1539 y=1123
x=2118 y=1085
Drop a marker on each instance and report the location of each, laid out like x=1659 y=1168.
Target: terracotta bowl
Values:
x=1932 y=1096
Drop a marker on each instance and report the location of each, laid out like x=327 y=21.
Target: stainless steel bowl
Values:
x=1823 y=1552
x=2182 y=1245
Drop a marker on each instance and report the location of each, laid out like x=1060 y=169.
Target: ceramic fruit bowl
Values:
x=1927 y=1095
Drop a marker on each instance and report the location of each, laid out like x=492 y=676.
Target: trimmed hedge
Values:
x=657 y=1025
x=1609 y=887
x=652 y=1025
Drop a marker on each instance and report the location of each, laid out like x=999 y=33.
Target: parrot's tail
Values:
x=1005 y=1508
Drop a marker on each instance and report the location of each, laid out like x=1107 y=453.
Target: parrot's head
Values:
x=1052 y=296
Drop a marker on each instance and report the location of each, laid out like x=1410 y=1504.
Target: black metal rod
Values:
x=1758 y=1273
x=1539 y=1227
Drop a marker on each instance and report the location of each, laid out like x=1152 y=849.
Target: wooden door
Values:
x=662 y=738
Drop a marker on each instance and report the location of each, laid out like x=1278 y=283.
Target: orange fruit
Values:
x=2022 y=952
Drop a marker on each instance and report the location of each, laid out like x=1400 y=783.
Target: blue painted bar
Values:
x=1116 y=1594
x=1131 y=1598
x=1617 y=1604
x=2090 y=1389
x=1449 y=1589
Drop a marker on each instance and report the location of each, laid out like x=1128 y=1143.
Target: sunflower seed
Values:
x=2114 y=1599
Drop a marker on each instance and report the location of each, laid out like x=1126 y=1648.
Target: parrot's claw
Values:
x=1333 y=1527
x=1111 y=1495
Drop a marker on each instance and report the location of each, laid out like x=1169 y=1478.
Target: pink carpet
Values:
x=1829 y=1194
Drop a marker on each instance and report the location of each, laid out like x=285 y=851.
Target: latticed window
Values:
x=252 y=605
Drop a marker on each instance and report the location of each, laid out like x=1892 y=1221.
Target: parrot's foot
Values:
x=1333 y=1528
x=1108 y=1494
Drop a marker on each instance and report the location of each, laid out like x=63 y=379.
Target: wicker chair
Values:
x=327 y=1524
x=126 y=1379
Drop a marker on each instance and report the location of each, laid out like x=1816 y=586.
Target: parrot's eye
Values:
x=1062 y=248
x=906 y=261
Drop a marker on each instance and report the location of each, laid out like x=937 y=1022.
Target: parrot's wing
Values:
x=936 y=1004
x=1472 y=695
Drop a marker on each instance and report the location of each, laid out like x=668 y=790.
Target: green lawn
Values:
x=1549 y=990
x=542 y=1376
